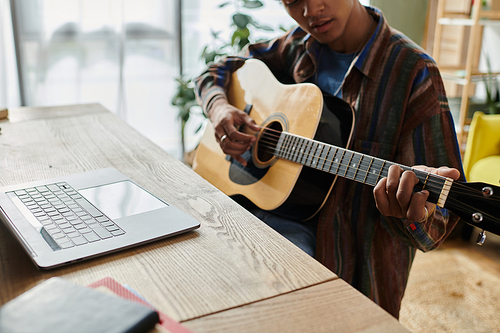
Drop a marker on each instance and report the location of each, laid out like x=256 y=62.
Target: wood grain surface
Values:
x=231 y=260
x=328 y=307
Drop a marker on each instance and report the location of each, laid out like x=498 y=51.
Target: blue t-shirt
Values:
x=332 y=68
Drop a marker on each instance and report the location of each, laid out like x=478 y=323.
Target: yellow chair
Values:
x=482 y=152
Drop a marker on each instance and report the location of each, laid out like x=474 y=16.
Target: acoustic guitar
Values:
x=292 y=167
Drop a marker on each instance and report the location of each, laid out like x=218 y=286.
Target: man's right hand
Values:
x=226 y=119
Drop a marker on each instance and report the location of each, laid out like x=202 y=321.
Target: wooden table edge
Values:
x=20 y=114
x=313 y=308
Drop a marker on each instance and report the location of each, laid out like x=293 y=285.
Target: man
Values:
x=367 y=236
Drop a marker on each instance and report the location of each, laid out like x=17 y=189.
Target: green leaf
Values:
x=184 y=114
x=252 y=4
x=242 y=43
x=190 y=95
x=240 y=37
x=261 y=27
x=283 y=28
x=209 y=56
x=241 y=20
x=199 y=128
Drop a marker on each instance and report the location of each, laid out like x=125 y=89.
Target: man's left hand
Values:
x=394 y=194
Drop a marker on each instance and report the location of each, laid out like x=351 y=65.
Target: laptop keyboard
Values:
x=66 y=216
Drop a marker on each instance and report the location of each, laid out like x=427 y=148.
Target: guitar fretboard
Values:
x=351 y=165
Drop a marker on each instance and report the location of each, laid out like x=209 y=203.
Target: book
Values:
x=111 y=285
x=60 y=306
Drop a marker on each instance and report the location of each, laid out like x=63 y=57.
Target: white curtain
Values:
x=122 y=54
x=9 y=85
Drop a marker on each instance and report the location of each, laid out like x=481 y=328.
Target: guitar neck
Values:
x=352 y=165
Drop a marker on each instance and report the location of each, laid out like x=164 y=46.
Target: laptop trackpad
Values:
x=121 y=199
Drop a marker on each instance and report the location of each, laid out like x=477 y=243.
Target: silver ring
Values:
x=223 y=137
x=426 y=215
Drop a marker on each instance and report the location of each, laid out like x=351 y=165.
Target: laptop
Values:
x=67 y=219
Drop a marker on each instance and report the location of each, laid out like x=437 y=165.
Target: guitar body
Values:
x=274 y=184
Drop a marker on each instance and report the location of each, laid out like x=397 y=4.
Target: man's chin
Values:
x=323 y=39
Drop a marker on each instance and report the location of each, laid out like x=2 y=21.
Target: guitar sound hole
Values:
x=268 y=140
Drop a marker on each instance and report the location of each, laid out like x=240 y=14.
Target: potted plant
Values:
x=242 y=26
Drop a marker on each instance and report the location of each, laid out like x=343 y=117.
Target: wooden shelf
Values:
x=467 y=21
x=458 y=75
x=475 y=18
x=490 y=14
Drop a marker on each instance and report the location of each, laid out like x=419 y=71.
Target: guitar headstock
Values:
x=478 y=204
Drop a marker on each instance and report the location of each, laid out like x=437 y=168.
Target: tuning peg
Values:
x=481 y=238
x=487 y=191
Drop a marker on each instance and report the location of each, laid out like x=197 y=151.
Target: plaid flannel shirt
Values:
x=402 y=115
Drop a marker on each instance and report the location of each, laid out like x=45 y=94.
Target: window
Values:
x=122 y=54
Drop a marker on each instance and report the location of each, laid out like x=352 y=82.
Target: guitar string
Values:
x=357 y=169
x=271 y=149
x=272 y=144
x=431 y=184
x=352 y=172
x=272 y=141
x=434 y=186
x=475 y=209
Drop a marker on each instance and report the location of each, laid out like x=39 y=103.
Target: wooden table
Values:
x=232 y=274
